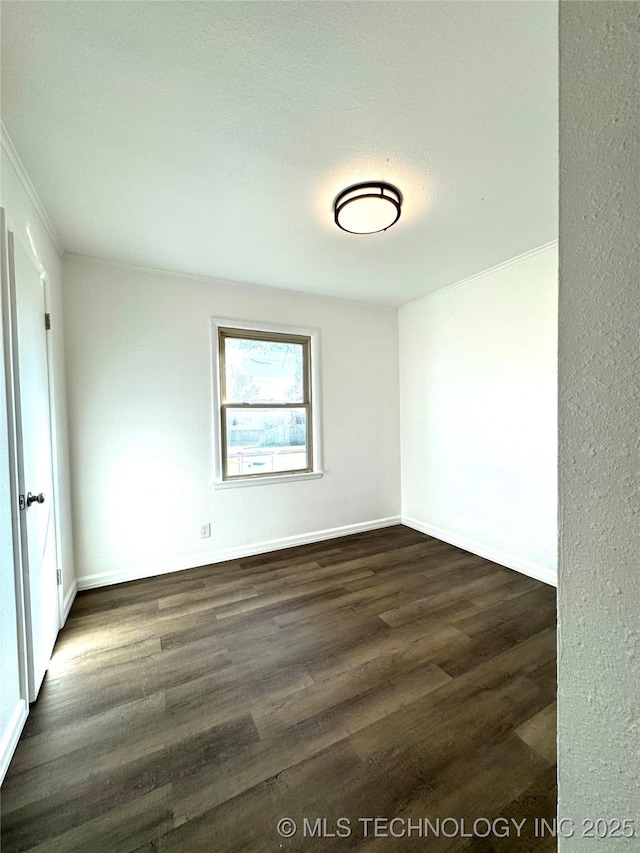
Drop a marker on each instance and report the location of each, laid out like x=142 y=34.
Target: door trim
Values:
x=63 y=610
x=9 y=391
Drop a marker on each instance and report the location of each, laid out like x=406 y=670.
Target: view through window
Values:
x=265 y=403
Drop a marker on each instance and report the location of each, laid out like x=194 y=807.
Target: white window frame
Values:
x=316 y=456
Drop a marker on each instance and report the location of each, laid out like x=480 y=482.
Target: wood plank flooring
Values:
x=385 y=675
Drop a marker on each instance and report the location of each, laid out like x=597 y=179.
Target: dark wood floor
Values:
x=385 y=674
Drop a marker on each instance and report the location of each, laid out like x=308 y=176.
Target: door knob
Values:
x=32 y=499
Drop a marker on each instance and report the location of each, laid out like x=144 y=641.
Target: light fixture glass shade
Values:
x=367 y=208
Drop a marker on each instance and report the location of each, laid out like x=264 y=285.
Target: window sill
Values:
x=239 y=482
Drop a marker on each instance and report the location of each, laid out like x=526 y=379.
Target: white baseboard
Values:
x=532 y=570
x=10 y=738
x=69 y=598
x=195 y=560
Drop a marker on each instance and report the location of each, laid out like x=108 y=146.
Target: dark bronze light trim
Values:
x=369 y=189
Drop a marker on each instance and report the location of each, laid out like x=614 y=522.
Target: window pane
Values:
x=263 y=371
x=263 y=441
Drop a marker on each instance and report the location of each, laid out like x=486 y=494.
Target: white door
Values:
x=35 y=479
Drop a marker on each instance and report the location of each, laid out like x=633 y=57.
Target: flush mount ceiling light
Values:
x=367 y=208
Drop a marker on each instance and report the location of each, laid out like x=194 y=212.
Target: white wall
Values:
x=140 y=410
x=599 y=364
x=478 y=414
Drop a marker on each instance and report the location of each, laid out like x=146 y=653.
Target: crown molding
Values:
x=473 y=278
x=25 y=180
x=272 y=290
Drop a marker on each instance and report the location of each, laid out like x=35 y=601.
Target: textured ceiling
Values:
x=212 y=138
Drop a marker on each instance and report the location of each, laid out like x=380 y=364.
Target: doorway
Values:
x=28 y=395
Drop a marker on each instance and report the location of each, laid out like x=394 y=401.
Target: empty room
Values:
x=318 y=324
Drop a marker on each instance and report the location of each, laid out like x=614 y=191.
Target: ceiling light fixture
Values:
x=367 y=208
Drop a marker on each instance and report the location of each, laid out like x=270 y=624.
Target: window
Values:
x=266 y=419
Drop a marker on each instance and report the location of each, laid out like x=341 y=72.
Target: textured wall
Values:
x=478 y=412
x=599 y=365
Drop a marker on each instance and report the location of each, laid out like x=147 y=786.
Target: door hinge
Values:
x=22 y=504
x=47 y=321
x=59 y=576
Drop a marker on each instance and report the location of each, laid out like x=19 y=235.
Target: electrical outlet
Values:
x=205 y=531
